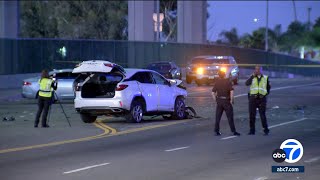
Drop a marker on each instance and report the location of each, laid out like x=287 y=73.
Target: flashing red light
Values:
x=121 y=87
x=26 y=83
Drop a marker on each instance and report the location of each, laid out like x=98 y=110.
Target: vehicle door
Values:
x=148 y=89
x=166 y=95
x=65 y=85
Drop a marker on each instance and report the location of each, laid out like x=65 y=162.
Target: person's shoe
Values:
x=251 y=133
x=35 y=126
x=236 y=133
x=46 y=126
x=266 y=132
x=218 y=134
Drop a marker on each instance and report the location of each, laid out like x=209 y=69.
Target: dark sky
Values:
x=241 y=14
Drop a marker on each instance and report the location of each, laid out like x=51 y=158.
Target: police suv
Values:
x=204 y=69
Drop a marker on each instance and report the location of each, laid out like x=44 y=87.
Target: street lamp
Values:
x=266 y=33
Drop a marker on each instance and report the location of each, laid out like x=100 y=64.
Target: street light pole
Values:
x=266 y=33
x=309 y=22
x=158 y=20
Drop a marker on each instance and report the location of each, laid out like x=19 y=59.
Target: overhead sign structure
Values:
x=156 y=23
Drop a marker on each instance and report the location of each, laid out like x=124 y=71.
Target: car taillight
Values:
x=121 y=87
x=108 y=65
x=26 y=83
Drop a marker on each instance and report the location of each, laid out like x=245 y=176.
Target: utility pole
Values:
x=295 y=11
x=266 y=33
x=309 y=22
x=158 y=20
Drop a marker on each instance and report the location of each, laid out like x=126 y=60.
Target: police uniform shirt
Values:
x=222 y=87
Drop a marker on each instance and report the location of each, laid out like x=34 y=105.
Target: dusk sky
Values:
x=241 y=14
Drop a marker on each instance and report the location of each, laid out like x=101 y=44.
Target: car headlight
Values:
x=223 y=69
x=200 y=70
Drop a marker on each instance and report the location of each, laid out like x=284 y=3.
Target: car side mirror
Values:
x=172 y=82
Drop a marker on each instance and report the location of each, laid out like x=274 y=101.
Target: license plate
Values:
x=212 y=77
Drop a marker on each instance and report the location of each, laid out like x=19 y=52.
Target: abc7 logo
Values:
x=291 y=151
x=279 y=155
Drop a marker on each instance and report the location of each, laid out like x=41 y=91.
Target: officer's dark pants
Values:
x=43 y=105
x=261 y=104
x=224 y=105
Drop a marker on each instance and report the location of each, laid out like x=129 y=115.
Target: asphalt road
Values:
x=162 y=149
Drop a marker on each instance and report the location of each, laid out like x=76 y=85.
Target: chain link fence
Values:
x=19 y=56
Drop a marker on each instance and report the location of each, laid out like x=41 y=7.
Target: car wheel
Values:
x=87 y=118
x=235 y=81
x=179 y=109
x=136 y=112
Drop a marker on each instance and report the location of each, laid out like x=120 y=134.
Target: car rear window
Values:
x=66 y=75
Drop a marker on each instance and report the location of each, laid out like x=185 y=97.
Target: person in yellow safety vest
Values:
x=259 y=89
x=47 y=86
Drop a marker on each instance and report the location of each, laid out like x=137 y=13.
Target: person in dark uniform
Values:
x=47 y=86
x=222 y=93
x=259 y=89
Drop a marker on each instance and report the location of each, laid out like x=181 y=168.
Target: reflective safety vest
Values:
x=45 y=87
x=259 y=87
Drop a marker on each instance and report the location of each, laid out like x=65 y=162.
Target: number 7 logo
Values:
x=293 y=149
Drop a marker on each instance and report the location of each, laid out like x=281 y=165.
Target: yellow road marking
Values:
x=103 y=135
x=112 y=130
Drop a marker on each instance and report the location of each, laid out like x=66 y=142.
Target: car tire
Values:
x=179 y=109
x=136 y=112
x=87 y=118
x=235 y=81
x=188 y=80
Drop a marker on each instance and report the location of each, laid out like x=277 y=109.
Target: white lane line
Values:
x=312 y=160
x=285 y=123
x=86 y=168
x=270 y=127
x=261 y=178
x=176 y=149
x=229 y=137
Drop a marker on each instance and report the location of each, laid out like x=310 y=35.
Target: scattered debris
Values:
x=9 y=118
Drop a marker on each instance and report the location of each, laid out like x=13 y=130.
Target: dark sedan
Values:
x=168 y=69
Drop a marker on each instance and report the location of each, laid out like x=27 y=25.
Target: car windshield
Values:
x=209 y=61
x=159 y=67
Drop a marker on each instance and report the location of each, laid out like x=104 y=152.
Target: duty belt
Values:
x=257 y=96
x=223 y=97
x=44 y=91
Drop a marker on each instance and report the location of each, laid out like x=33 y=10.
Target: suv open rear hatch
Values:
x=99 y=79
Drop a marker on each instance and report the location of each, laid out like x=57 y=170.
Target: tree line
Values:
x=290 y=41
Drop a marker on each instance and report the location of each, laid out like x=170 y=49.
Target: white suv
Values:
x=106 y=88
